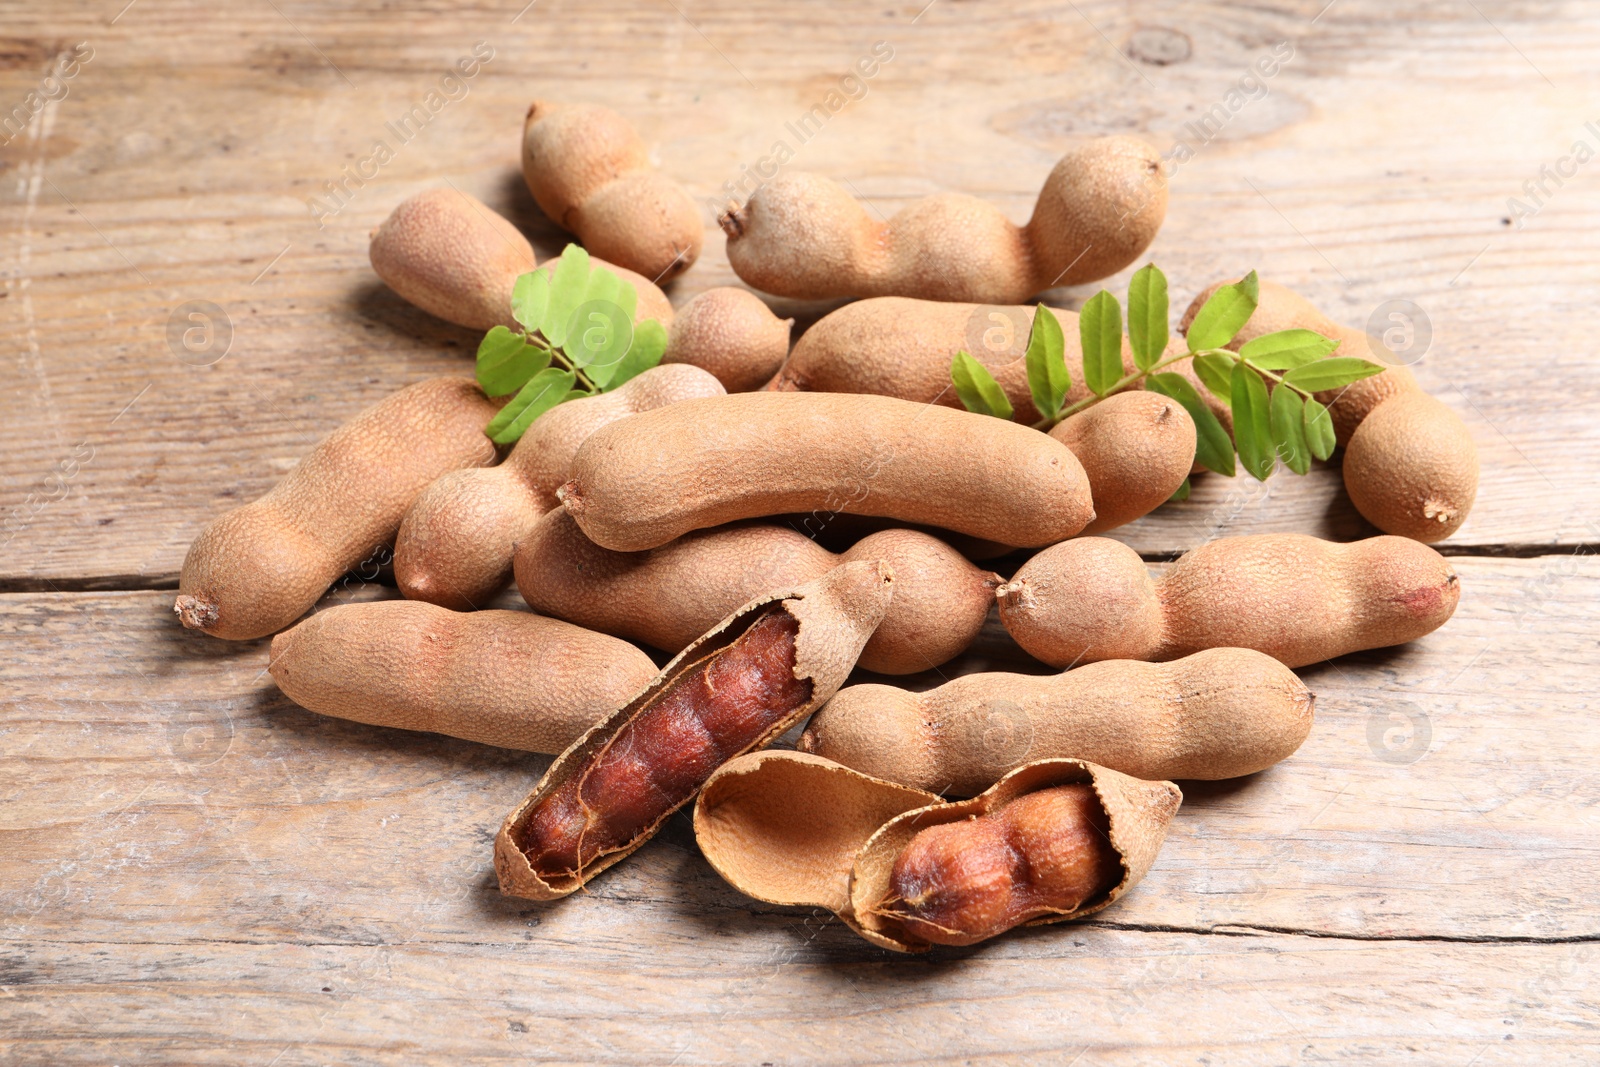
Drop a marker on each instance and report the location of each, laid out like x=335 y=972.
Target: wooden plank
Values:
x=742 y=988
x=1429 y=801
x=118 y=211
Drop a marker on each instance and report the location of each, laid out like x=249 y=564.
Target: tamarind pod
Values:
x=668 y=596
x=1220 y=713
x=1296 y=598
x=505 y=678
x=1410 y=464
x=589 y=171
x=1136 y=450
x=642 y=482
x=456 y=541
x=453 y=256
x=731 y=333
x=799 y=830
x=802 y=235
x=902 y=347
x=258 y=568
x=737 y=688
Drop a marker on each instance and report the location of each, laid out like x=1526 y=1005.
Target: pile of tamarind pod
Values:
x=685 y=511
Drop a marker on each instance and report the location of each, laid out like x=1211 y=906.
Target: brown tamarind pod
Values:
x=1296 y=598
x=453 y=256
x=737 y=688
x=506 y=678
x=258 y=568
x=731 y=333
x=1136 y=449
x=1241 y=712
x=1410 y=464
x=642 y=482
x=668 y=596
x=1053 y=840
x=456 y=541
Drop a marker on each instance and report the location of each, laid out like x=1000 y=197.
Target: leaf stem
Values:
x=558 y=356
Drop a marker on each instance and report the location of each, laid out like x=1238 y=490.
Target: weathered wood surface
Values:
x=195 y=870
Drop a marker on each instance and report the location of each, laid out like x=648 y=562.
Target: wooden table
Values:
x=195 y=870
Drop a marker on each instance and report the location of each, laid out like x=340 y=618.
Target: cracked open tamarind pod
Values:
x=453 y=256
x=455 y=544
x=802 y=235
x=644 y=481
x=1410 y=464
x=506 y=678
x=1216 y=714
x=1051 y=841
x=590 y=172
x=258 y=568
x=668 y=596
x=1298 y=599
x=736 y=689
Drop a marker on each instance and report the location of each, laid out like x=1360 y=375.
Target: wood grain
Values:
x=198 y=871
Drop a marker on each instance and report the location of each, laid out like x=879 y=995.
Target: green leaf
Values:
x=569 y=281
x=977 y=388
x=530 y=296
x=1286 y=413
x=1181 y=493
x=1100 y=332
x=544 y=391
x=506 y=361
x=1287 y=349
x=1147 y=316
x=1048 y=376
x=1319 y=430
x=1224 y=314
x=1216 y=372
x=649 y=345
x=598 y=338
x=1212 y=446
x=1252 y=430
x=1334 y=373
x=626 y=297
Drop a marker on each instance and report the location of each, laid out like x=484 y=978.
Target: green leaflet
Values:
x=1287 y=349
x=530 y=297
x=544 y=391
x=1147 y=316
x=1252 y=431
x=506 y=361
x=1100 y=332
x=1048 y=376
x=1319 y=430
x=1215 y=371
x=649 y=345
x=1334 y=373
x=1212 y=447
x=1224 y=314
x=977 y=388
x=1286 y=414
x=569 y=284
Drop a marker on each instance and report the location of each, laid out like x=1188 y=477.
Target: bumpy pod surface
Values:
x=453 y=256
x=799 y=830
x=504 y=678
x=589 y=171
x=802 y=235
x=731 y=333
x=1410 y=464
x=642 y=482
x=1296 y=598
x=258 y=568
x=736 y=689
x=1216 y=714
x=455 y=544
x=668 y=596
x=1136 y=449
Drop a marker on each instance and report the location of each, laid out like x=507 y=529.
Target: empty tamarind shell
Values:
x=835 y=615
x=800 y=830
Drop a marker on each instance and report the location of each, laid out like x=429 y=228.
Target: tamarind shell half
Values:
x=836 y=613
x=1139 y=812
